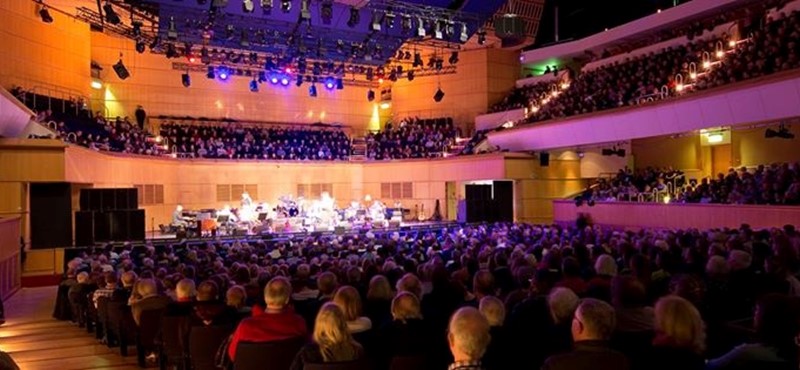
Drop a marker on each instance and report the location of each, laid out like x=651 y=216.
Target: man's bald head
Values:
x=469 y=334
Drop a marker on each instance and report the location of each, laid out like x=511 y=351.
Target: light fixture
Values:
x=312 y=90
x=305 y=10
x=410 y=75
x=376 y=22
x=172 y=31
x=45 y=14
x=326 y=11
x=171 y=52
x=679 y=87
x=437 y=30
x=140 y=46
x=111 y=16
x=370 y=95
x=248 y=6
x=464 y=33
x=706 y=64
x=285 y=80
x=96 y=84
x=439 y=95
x=274 y=79
x=186 y=80
x=420 y=27
x=453 y=57
x=719 y=54
x=299 y=81
x=369 y=74
x=714 y=138
x=266 y=6
x=481 y=37
x=243 y=40
x=355 y=17
x=223 y=73
x=210 y=74
x=136 y=28
x=385 y=105
x=782 y=132
x=286 y=6
x=120 y=69
x=389 y=19
x=339 y=84
x=262 y=76
x=693 y=75
x=405 y=23
x=253 y=85
x=418 y=60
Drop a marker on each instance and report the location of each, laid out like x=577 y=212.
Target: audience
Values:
x=412 y=138
x=331 y=340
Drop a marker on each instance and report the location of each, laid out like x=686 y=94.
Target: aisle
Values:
x=37 y=341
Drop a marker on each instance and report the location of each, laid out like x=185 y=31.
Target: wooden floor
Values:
x=37 y=341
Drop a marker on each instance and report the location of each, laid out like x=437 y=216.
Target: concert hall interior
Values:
x=567 y=184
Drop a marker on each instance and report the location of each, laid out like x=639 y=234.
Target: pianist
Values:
x=177 y=217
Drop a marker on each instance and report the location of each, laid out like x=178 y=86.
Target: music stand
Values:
x=222 y=219
x=262 y=216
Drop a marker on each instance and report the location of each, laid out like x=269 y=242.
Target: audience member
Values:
x=331 y=340
x=469 y=337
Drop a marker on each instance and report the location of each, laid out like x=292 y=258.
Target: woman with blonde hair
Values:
x=348 y=299
x=680 y=336
x=331 y=340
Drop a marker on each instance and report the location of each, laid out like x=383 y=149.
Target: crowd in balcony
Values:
x=233 y=141
x=484 y=296
x=774 y=184
x=412 y=138
x=522 y=97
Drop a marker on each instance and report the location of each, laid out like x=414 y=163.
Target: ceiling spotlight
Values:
x=45 y=15
x=270 y=64
x=248 y=6
x=369 y=74
x=262 y=76
x=481 y=37
x=111 y=16
x=223 y=73
x=389 y=18
x=155 y=43
x=136 y=28
x=420 y=28
x=355 y=17
x=120 y=69
x=449 y=28
x=299 y=80
x=330 y=83
x=439 y=95
x=171 y=52
x=326 y=11
x=376 y=21
x=453 y=57
x=418 y=60
x=266 y=6
x=286 y=6
x=305 y=10
x=312 y=91
x=172 y=32
x=464 y=33
x=370 y=95
x=140 y=46
x=410 y=75
x=437 y=30
x=285 y=80
x=253 y=85
x=186 y=80
x=274 y=79
x=339 y=84
x=210 y=74
x=405 y=23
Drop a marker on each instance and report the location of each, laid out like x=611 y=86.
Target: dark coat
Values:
x=589 y=355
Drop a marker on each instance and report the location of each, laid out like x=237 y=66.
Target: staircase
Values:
x=359 y=147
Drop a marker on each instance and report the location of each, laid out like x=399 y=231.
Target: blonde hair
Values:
x=185 y=289
x=493 y=309
x=349 y=301
x=469 y=332
x=406 y=306
x=379 y=289
x=331 y=334
x=678 y=319
x=278 y=291
x=235 y=296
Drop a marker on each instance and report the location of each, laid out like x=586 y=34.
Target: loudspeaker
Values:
x=108 y=199
x=102 y=226
x=84 y=228
x=121 y=71
x=544 y=159
x=509 y=27
x=91 y=200
x=126 y=198
x=136 y=226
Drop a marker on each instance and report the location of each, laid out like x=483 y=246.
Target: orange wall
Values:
x=40 y=54
x=9 y=256
x=750 y=148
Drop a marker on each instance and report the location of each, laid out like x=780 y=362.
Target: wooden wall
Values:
x=44 y=55
x=9 y=256
x=750 y=148
x=536 y=187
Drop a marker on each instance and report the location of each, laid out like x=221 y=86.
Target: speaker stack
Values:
x=108 y=215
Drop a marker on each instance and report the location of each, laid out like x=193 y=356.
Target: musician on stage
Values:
x=246 y=200
x=177 y=217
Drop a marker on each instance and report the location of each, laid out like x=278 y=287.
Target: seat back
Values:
x=278 y=354
x=408 y=363
x=175 y=336
x=120 y=321
x=204 y=341
x=149 y=327
x=349 y=365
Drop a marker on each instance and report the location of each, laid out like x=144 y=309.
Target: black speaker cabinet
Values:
x=84 y=228
x=136 y=225
x=509 y=27
x=126 y=198
x=91 y=200
x=102 y=226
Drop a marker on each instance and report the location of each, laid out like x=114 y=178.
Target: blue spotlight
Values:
x=254 y=86
x=273 y=79
x=285 y=81
x=330 y=83
x=312 y=91
x=223 y=73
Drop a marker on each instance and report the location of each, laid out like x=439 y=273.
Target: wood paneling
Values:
x=31 y=160
x=9 y=256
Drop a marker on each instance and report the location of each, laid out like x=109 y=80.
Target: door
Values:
x=720 y=158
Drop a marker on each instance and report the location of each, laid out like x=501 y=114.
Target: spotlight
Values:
x=370 y=95
x=389 y=18
x=285 y=81
x=481 y=37
x=137 y=28
x=355 y=17
x=393 y=76
x=140 y=47
x=782 y=132
x=437 y=30
x=418 y=60
x=326 y=11
x=186 y=80
x=253 y=86
x=210 y=74
x=223 y=73
x=376 y=22
x=274 y=79
x=410 y=75
x=312 y=91
x=299 y=81
x=111 y=16
x=172 y=52
x=286 y=6
x=270 y=64
x=340 y=46
x=248 y=6
x=172 y=31
x=339 y=84
x=120 y=69
x=330 y=83
x=45 y=15
x=369 y=74
x=155 y=43
x=420 y=27
x=316 y=70
x=464 y=34
x=305 y=11
x=266 y=6
x=453 y=57
x=439 y=95
x=262 y=76
x=405 y=23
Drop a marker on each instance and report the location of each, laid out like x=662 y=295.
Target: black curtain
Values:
x=51 y=215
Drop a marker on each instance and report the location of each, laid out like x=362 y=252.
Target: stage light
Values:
x=420 y=27
x=339 y=84
x=299 y=81
x=270 y=64
x=369 y=74
x=210 y=74
x=223 y=73
x=186 y=80
x=330 y=83
x=248 y=6
x=326 y=11
x=418 y=60
x=155 y=43
x=464 y=33
x=285 y=81
x=274 y=79
x=305 y=11
x=96 y=84
x=405 y=23
x=286 y=6
x=136 y=28
x=171 y=52
x=453 y=57
x=389 y=18
x=410 y=75
x=376 y=21
x=312 y=91
x=393 y=76
x=437 y=30
x=439 y=95
x=481 y=37
x=262 y=76
x=45 y=14
x=266 y=6
x=140 y=47
x=370 y=95
x=732 y=43
x=355 y=17
x=120 y=69
x=782 y=132
x=111 y=16
x=253 y=86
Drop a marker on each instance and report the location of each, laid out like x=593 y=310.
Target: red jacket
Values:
x=268 y=327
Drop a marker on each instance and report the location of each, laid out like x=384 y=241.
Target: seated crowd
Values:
x=778 y=184
x=241 y=142
x=521 y=97
x=412 y=138
x=487 y=296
